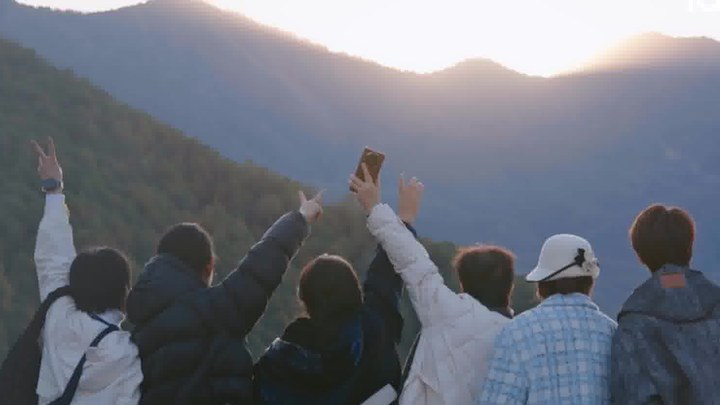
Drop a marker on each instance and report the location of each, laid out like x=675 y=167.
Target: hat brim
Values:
x=536 y=275
x=539 y=274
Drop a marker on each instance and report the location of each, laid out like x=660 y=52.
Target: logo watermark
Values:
x=704 y=6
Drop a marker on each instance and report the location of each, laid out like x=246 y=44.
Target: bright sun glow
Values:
x=531 y=36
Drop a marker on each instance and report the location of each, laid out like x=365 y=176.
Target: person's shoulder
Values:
x=120 y=342
x=606 y=321
x=530 y=316
x=522 y=327
x=63 y=320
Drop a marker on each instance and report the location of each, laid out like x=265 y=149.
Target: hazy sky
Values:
x=532 y=36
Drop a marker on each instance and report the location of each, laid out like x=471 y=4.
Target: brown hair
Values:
x=329 y=289
x=486 y=273
x=663 y=235
x=564 y=286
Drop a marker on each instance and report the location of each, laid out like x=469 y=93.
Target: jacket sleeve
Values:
x=433 y=301
x=54 y=248
x=383 y=289
x=506 y=381
x=240 y=300
x=630 y=383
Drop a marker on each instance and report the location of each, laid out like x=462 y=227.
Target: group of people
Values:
x=187 y=341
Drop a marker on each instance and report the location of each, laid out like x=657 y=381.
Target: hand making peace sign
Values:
x=48 y=165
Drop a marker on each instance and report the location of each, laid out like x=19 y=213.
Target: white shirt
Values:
x=458 y=332
x=112 y=372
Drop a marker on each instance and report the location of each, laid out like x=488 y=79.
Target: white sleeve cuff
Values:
x=55 y=204
x=381 y=214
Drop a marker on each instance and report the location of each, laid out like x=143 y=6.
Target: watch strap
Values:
x=50 y=185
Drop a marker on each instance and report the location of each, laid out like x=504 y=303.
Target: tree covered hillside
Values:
x=128 y=177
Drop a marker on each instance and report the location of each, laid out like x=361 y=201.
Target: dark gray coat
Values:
x=667 y=346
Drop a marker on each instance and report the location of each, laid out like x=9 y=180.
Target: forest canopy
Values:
x=129 y=177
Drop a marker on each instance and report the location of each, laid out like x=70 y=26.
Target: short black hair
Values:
x=100 y=280
x=329 y=289
x=487 y=273
x=663 y=235
x=565 y=286
x=189 y=243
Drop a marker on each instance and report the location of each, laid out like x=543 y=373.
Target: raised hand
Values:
x=311 y=209
x=409 y=198
x=366 y=190
x=48 y=165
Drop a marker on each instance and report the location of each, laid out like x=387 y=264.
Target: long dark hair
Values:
x=100 y=280
x=329 y=289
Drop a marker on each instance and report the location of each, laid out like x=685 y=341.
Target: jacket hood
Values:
x=694 y=302
x=316 y=356
x=163 y=280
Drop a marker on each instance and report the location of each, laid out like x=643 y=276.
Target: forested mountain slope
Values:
x=128 y=177
x=505 y=157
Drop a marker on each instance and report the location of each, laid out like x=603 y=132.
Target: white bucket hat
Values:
x=565 y=256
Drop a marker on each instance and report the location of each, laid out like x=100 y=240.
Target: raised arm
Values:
x=433 y=301
x=383 y=288
x=240 y=300
x=54 y=249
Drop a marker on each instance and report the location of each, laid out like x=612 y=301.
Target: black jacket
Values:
x=312 y=365
x=192 y=338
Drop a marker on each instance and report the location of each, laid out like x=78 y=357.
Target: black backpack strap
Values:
x=409 y=361
x=21 y=368
x=72 y=385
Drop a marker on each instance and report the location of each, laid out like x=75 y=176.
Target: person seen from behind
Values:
x=667 y=346
x=457 y=330
x=344 y=350
x=191 y=335
x=558 y=352
x=85 y=358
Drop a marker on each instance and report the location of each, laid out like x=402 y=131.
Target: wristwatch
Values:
x=50 y=185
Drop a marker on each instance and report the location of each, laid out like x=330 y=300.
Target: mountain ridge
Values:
x=129 y=177
x=654 y=50
x=594 y=64
x=508 y=159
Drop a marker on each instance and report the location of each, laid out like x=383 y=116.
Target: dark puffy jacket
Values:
x=190 y=337
x=345 y=365
x=667 y=346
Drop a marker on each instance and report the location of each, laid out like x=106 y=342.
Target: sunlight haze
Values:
x=530 y=36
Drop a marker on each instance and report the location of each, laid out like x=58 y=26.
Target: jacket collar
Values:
x=671 y=268
x=694 y=301
x=569 y=300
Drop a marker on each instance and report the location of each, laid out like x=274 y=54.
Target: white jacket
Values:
x=458 y=332
x=112 y=373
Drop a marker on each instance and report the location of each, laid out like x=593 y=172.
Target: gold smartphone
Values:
x=374 y=161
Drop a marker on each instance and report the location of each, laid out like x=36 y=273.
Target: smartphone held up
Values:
x=373 y=160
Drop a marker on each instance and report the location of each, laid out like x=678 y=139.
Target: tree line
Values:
x=132 y=176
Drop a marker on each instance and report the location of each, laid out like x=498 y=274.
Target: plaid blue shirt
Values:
x=557 y=353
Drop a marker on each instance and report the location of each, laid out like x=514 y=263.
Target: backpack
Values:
x=21 y=368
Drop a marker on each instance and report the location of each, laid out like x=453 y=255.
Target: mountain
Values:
x=506 y=157
x=654 y=51
x=129 y=177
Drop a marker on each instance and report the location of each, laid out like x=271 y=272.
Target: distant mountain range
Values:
x=129 y=177
x=506 y=157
